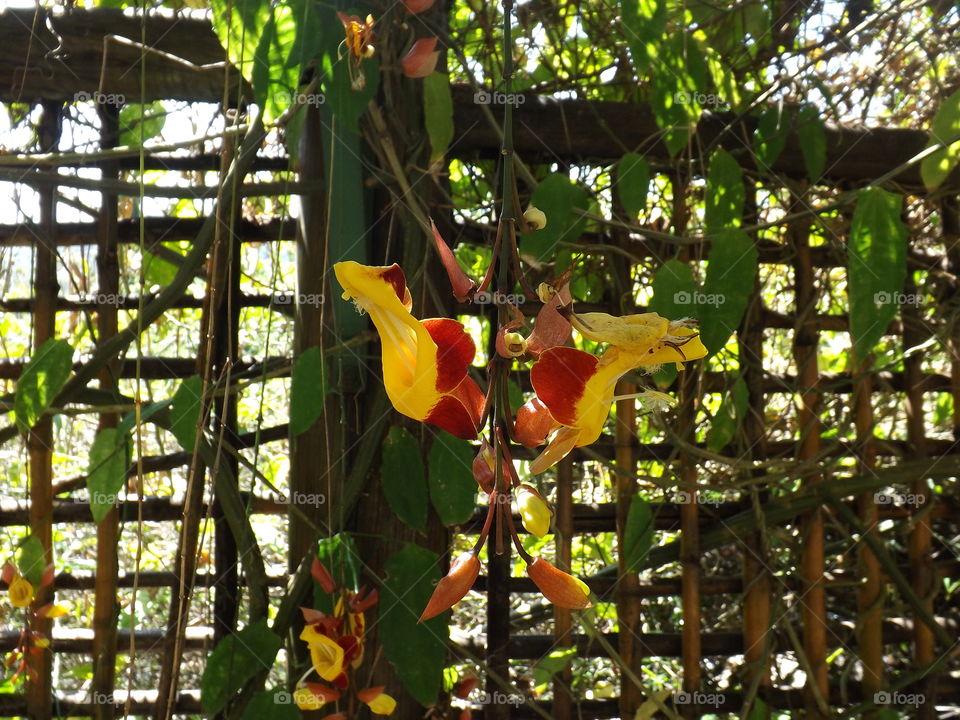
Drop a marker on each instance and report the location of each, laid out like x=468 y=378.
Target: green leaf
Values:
x=235 y=660
x=876 y=266
x=185 y=412
x=759 y=710
x=637 y=534
x=141 y=122
x=308 y=388
x=813 y=141
x=276 y=704
x=339 y=555
x=453 y=489
x=275 y=75
x=438 y=113
x=644 y=21
x=31 y=559
x=673 y=290
x=770 y=137
x=42 y=378
x=731 y=270
x=403 y=478
x=557 y=197
x=731 y=412
x=239 y=25
x=679 y=76
x=157 y=270
x=417 y=650
x=633 y=180
x=946 y=126
x=107 y=470
x=725 y=193
x=546 y=667
x=129 y=420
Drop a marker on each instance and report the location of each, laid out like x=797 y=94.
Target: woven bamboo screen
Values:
x=809 y=560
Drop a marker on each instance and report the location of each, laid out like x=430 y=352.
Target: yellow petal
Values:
x=636 y=333
x=306 y=700
x=54 y=611
x=327 y=658
x=382 y=704
x=21 y=592
x=409 y=353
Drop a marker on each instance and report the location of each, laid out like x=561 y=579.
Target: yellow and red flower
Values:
x=577 y=388
x=424 y=361
x=377 y=700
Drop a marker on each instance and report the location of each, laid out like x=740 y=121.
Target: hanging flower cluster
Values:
x=21 y=594
x=425 y=372
x=336 y=650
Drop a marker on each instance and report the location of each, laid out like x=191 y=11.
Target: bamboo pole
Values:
x=756 y=572
x=628 y=600
x=225 y=321
x=106 y=606
x=870 y=592
x=812 y=599
x=40 y=437
x=562 y=707
x=689 y=508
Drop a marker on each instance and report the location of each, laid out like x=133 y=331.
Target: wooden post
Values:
x=756 y=572
x=106 y=606
x=562 y=708
x=812 y=598
x=40 y=437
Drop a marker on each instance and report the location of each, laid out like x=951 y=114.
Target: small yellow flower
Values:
x=326 y=655
x=21 y=592
x=378 y=701
x=306 y=700
x=52 y=611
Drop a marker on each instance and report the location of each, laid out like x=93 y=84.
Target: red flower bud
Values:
x=418 y=6
x=422 y=58
x=466 y=686
x=560 y=588
x=534 y=423
x=322 y=576
x=462 y=284
x=451 y=588
x=48 y=574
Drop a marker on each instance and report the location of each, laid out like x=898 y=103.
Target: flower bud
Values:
x=535 y=513
x=511 y=344
x=452 y=587
x=534 y=423
x=534 y=219
x=322 y=576
x=483 y=467
x=560 y=588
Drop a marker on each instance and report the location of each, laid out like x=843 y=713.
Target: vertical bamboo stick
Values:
x=812 y=598
x=40 y=438
x=562 y=708
x=870 y=592
x=106 y=607
x=690 y=647
x=186 y=559
x=498 y=627
x=226 y=341
x=628 y=583
x=310 y=456
x=756 y=573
